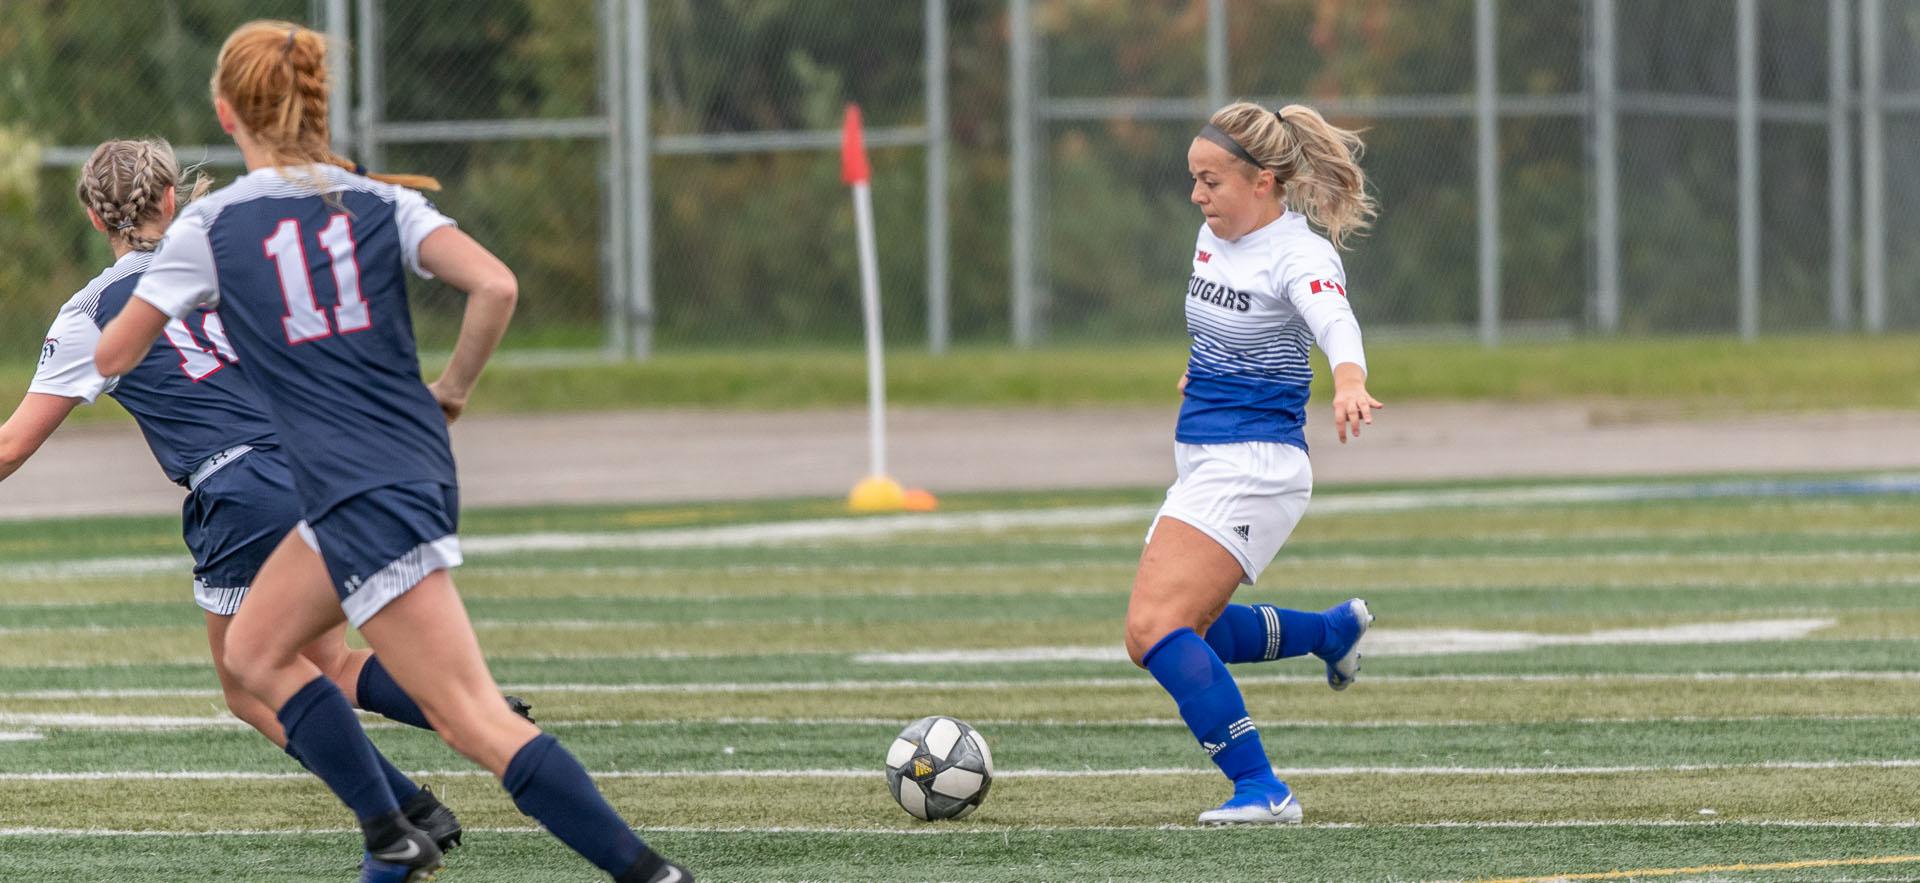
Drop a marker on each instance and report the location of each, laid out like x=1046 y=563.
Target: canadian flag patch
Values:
x=1320 y=285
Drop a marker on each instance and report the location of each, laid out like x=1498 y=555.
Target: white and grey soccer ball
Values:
x=939 y=768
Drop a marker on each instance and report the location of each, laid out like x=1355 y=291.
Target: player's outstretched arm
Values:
x=126 y=339
x=491 y=291
x=32 y=423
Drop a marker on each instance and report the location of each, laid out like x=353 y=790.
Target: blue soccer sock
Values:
x=548 y=784
x=1263 y=632
x=379 y=694
x=403 y=788
x=323 y=734
x=1211 y=704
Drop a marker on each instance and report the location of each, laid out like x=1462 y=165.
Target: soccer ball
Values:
x=939 y=768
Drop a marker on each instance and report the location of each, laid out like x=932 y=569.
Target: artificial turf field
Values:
x=1698 y=680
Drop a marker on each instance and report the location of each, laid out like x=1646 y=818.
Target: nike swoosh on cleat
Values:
x=676 y=878
x=412 y=852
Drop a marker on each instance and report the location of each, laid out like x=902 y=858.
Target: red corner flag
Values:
x=853 y=150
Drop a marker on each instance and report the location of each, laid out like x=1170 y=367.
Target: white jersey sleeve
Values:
x=66 y=358
x=181 y=279
x=416 y=218
x=1317 y=287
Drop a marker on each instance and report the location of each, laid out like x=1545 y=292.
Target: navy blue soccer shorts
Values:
x=380 y=543
x=232 y=520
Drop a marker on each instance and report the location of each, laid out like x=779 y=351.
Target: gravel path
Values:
x=662 y=456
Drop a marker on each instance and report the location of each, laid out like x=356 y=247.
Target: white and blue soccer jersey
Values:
x=307 y=269
x=189 y=400
x=1254 y=309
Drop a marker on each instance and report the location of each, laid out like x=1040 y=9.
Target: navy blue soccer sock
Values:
x=323 y=735
x=548 y=784
x=379 y=694
x=1211 y=704
x=403 y=788
x=1262 y=632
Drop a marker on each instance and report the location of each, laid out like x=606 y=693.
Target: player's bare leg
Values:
x=1184 y=581
x=290 y=606
x=427 y=642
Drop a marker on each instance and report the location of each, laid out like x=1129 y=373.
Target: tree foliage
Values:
x=757 y=248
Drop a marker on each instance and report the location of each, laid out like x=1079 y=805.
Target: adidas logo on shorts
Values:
x=1245 y=531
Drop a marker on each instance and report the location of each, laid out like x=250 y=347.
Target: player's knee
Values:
x=253 y=659
x=1143 y=632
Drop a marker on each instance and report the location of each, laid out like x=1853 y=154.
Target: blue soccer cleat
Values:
x=1256 y=805
x=412 y=859
x=1345 y=624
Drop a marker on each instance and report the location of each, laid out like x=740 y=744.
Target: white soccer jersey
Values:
x=1255 y=306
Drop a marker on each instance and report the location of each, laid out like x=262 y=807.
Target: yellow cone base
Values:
x=877 y=493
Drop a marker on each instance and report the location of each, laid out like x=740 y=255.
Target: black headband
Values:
x=1213 y=133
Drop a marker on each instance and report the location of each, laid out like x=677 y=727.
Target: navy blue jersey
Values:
x=307 y=268
x=188 y=394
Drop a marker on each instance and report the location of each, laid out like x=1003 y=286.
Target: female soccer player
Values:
x=204 y=423
x=1264 y=288
x=305 y=258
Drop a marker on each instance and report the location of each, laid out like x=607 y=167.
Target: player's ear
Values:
x=223 y=109
x=97 y=223
x=169 y=203
x=1265 y=182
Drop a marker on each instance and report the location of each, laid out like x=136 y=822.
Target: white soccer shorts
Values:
x=1247 y=496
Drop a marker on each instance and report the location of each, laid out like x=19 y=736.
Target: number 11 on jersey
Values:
x=305 y=320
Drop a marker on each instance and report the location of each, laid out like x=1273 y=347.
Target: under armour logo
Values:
x=1245 y=531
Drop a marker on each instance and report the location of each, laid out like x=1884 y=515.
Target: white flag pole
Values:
x=878 y=492
x=870 y=302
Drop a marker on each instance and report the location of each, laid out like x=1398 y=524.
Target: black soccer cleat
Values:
x=412 y=859
x=672 y=873
x=654 y=868
x=433 y=818
x=521 y=707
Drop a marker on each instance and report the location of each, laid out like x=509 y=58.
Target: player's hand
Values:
x=1352 y=405
x=1183 y=383
x=451 y=404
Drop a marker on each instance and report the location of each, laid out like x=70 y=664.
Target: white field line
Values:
x=841 y=529
x=1414 y=642
x=1380 y=642
x=1055 y=683
x=960 y=829
x=1135 y=772
x=53 y=570
x=20 y=736
x=369 y=721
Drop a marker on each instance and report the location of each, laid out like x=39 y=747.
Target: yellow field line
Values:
x=1713 y=869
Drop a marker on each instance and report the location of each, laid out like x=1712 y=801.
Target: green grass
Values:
x=1627 y=379
x=725 y=696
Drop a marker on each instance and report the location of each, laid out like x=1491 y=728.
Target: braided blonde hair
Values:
x=274 y=73
x=124 y=184
x=1316 y=161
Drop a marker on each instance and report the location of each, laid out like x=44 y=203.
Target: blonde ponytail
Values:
x=1317 y=162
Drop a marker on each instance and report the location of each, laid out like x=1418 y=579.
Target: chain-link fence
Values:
x=1567 y=166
